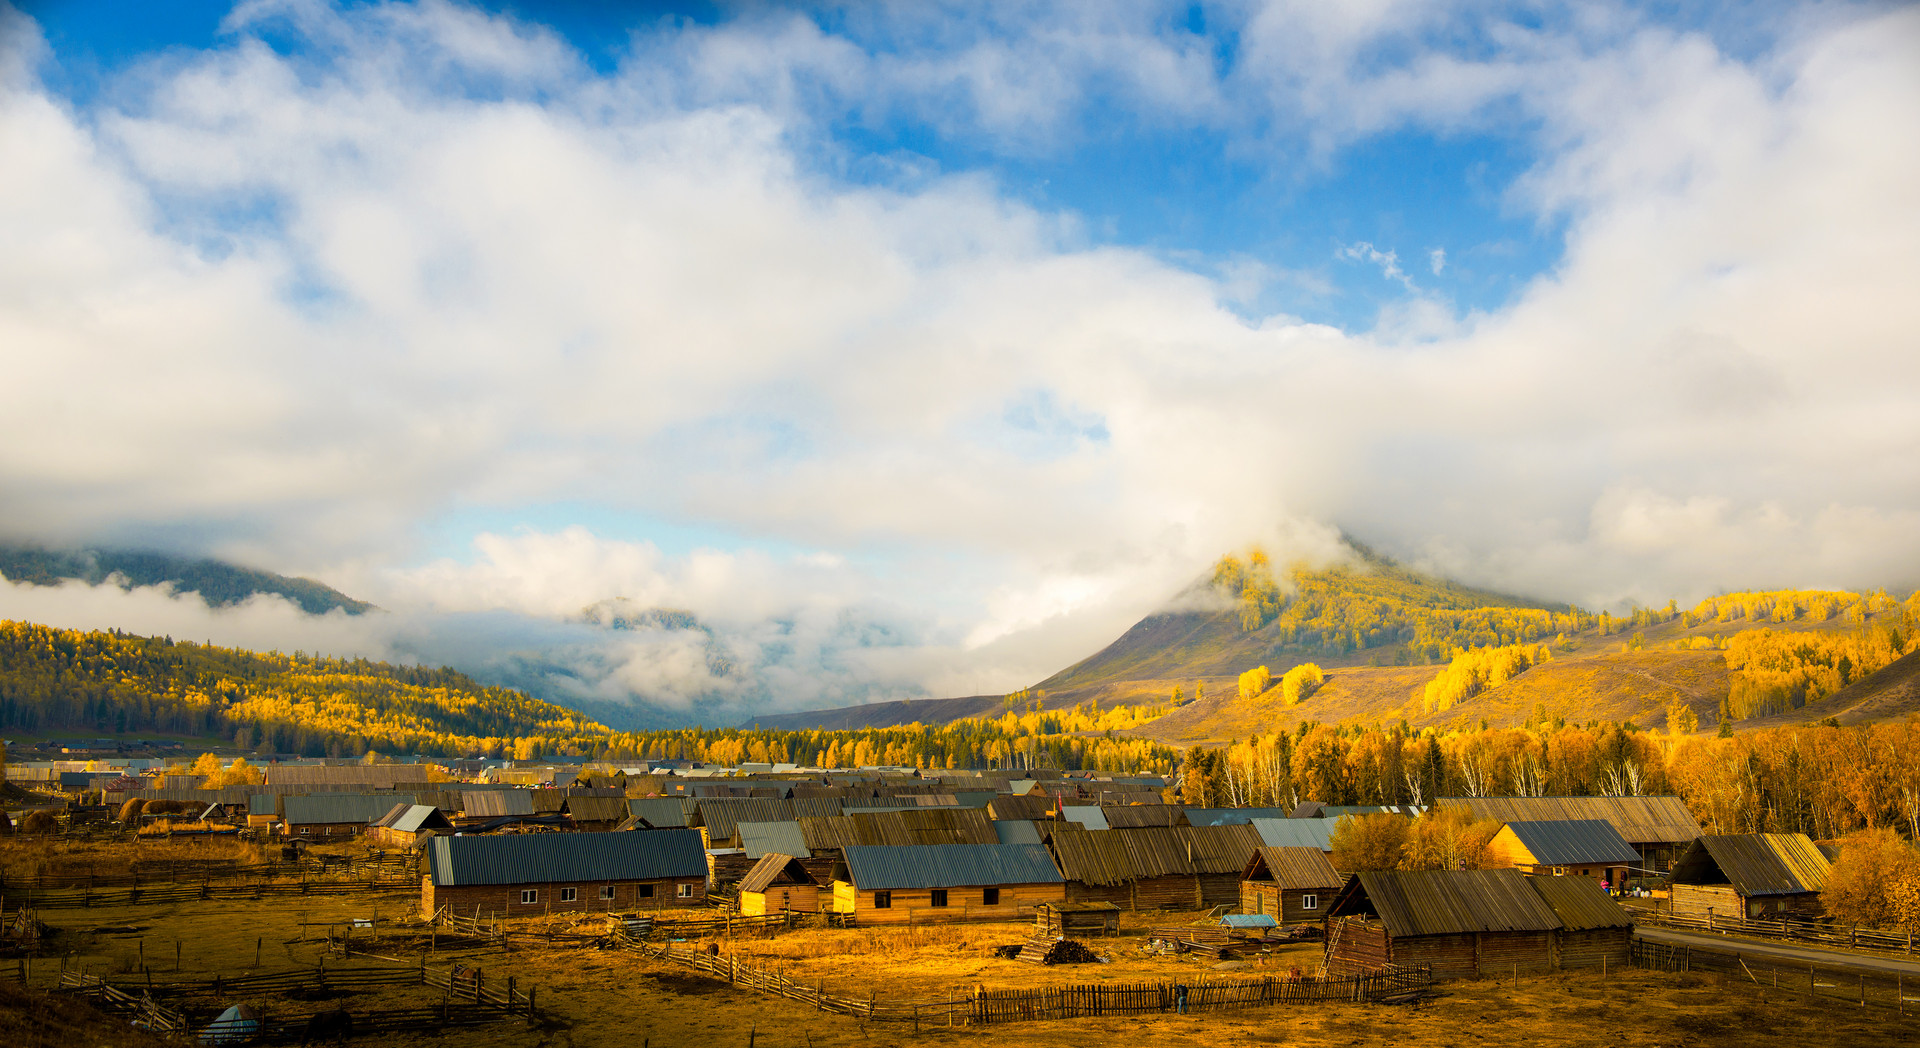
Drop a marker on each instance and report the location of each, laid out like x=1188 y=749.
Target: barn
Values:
x=885 y=884
x=1288 y=884
x=1750 y=875
x=776 y=883
x=1465 y=923
x=1589 y=848
x=527 y=874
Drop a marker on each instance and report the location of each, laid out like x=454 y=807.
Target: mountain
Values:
x=218 y=583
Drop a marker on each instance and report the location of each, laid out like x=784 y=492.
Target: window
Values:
x=686 y=891
x=1309 y=902
x=643 y=891
x=569 y=894
x=939 y=897
x=606 y=891
x=990 y=896
x=883 y=900
x=529 y=895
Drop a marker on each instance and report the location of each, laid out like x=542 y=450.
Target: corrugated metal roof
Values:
x=495 y=803
x=762 y=838
x=1232 y=816
x=1449 y=902
x=1091 y=816
x=1293 y=868
x=663 y=812
x=540 y=858
x=949 y=866
x=1017 y=831
x=1640 y=820
x=320 y=808
x=772 y=867
x=1580 y=904
x=1568 y=842
x=379 y=776
x=1755 y=863
x=1248 y=920
x=1296 y=833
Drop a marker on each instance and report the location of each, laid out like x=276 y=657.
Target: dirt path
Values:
x=1781 y=952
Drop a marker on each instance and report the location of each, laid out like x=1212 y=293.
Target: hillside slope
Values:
x=218 y=583
x=1891 y=692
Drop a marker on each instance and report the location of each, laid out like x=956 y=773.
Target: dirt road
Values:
x=1782 y=953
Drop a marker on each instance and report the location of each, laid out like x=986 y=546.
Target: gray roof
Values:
x=663 y=812
x=759 y=838
x=542 y=858
x=320 y=808
x=1296 y=833
x=412 y=818
x=1448 y=902
x=1088 y=815
x=1569 y=842
x=1231 y=816
x=1017 y=831
x=888 y=867
x=495 y=803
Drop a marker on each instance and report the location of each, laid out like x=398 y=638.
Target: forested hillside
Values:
x=218 y=583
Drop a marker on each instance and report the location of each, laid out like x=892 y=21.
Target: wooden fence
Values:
x=1811 y=982
x=1783 y=928
x=984 y=1006
x=83 y=898
x=198 y=871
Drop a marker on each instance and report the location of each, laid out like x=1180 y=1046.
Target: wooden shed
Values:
x=1589 y=848
x=778 y=883
x=1288 y=884
x=1076 y=920
x=1467 y=922
x=406 y=824
x=1750 y=875
x=1658 y=828
x=887 y=884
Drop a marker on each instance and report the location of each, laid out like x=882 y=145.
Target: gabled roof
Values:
x=540 y=858
x=886 y=868
x=663 y=812
x=1232 y=816
x=1640 y=820
x=1105 y=858
x=495 y=803
x=1293 y=869
x=323 y=808
x=1288 y=833
x=597 y=809
x=412 y=818
x=1580 y=904
x=1755 y=863
x=775 y=868
x=1446 y=902
x=1008 y=808
x=1090 y=816
x=763 y=838
x=1569 y=842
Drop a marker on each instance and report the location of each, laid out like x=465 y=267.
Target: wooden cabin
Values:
x=320 y=816
x=1160 y=867
x=1658 y=828
x=1076 y=920
x=1750 y=875
x=778 y=883
x=1589 y=848
x=406 y=824
x=528 y=874
x=1465 y=923
x=1291 y=885
x=887 y=884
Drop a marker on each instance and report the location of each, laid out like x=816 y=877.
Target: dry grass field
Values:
x=593 y=997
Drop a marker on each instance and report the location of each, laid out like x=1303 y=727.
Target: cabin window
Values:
x=883 y=900
x=939 y=897
x=569 y=894
x=529 y=895
x=643 y=891
x=1309 y=902
x=686 y=891
x=606 y=891
x=990 y=896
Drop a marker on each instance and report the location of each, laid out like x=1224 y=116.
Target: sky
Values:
x=919 y=348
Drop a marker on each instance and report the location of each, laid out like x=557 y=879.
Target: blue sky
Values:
x=981 y=327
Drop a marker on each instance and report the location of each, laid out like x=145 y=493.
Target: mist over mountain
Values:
x=218 y=583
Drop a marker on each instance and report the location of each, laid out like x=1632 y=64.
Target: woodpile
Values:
x=1042 y=950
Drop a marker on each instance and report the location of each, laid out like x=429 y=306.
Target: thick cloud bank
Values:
x=290 y=304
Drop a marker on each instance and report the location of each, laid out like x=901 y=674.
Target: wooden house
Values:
x=1161 y=867
x=1589 y=848
x=1289 y=884
x=320 y=816
x=885 y=884
x=777 y=883
x=596 y=813
x=1658 y=828
x=527 y=874
x=1466 y=923
x=1750 y=875
x=405 y=824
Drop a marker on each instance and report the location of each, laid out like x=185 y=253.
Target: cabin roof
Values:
x=886 y=867
x=540 y=858
x=1568 y=842
x=1293 y=868
x=1755 y=863
x=1640 y=820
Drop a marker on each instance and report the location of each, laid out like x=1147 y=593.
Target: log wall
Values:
x=504 y=899
x=916 y=904
x=802 y=897
x=1598 y=947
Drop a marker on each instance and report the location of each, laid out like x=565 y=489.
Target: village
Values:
x=526 y=902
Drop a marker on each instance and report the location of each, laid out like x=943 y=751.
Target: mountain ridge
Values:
x=218 y=582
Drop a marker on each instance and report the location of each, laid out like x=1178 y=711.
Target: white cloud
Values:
x=473 y=272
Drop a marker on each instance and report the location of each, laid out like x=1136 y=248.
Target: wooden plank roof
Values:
x=1446 y=902
x=597 y=809
x=1580 y=904
x=1111 y=857
x=1640 y=820
x=904 y=826
x=1755 y=863
x=1292 y=869
x=775 y=868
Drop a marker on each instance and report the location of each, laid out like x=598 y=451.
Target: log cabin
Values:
x=778 y=883
x=888 y=884
x=1589 y=848
x=1750 y=875
x=406 y=824
x=1659 y=828
x=528 y=874
x=1465 y=923
x=1288 y=884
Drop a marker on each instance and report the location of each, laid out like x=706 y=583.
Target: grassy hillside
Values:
x=218 y=583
